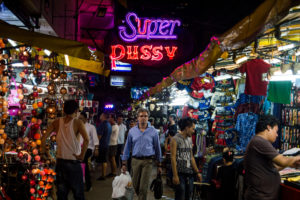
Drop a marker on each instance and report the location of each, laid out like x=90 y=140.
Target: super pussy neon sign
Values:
x=152 y=28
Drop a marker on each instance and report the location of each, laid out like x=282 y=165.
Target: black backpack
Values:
x=157 y=187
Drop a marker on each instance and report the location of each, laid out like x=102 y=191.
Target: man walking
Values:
x=93 y=144
x=104 y=132
x=69 y=152
x=183 y=161
x=121 y=138
x=143 y=141
x=113 y=145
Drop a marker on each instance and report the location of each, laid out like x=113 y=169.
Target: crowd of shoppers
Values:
x=136 y=147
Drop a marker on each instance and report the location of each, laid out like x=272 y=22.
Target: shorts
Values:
x=112 y=150
x=103 y=154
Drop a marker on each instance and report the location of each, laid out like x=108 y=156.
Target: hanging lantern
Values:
x=39 y=110
x=50 y=87
x=53 y=76
x=24 y=80
x=21 y=96
x=20 y=91
x=36 y=126
x=2 y=141
x=20 y=123
x=46 y=100
x=1 y=131
x=35 y=94
x=33 y=144
x=4 y=136
x=63 y=75
x=52 y=116
x=22 y=74
x=34 y=120
x=23 y=106
x=25 y=63
x=53 y=102
x=34 y=88
x=24 y=177
x=52 y=92
x=40 y=90
x=5 y=73
x=31 y=97
x=25 y=90
x=50 y=70
x=40 y=104
x=37 y=66
x=38 y=142
x=5 y=103
x=35 y=72
x=63 y=90
x=34 y=112
x=51 y=109
x=26 y=71
x=56 y=71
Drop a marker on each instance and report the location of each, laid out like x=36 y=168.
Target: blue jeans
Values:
x=69 y=176
x=184 y=190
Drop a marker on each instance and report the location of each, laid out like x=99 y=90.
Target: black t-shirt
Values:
x=226 y=175
x=262 y=178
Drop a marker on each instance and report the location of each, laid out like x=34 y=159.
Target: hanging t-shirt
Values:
x=254 y=80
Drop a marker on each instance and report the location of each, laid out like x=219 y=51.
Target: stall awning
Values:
x=78 y=52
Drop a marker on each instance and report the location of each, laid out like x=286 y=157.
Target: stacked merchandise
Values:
x=223 y=101
x=290 y=133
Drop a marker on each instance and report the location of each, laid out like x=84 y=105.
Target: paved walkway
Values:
x=102 y=190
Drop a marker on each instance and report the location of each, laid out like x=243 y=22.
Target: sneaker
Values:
x=101 y=178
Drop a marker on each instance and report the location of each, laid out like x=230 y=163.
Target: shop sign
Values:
x=152 y=28
x=119 y=80
x=149 y=30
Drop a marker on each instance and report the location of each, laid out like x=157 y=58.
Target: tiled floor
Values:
x=102 y=190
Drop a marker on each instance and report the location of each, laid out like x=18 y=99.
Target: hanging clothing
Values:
x=67 y=142
x=254 y=80
x=280 y=92
x=245 y=126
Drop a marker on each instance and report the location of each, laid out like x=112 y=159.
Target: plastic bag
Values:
x=119 y=185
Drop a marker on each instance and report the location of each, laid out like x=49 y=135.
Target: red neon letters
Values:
x=145 y=52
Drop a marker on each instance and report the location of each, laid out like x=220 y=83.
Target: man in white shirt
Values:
x=121 y=138
x=113 y=145
x=93 y=144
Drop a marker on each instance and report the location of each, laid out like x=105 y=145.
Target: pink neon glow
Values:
x=145 y=52
x=152 y=28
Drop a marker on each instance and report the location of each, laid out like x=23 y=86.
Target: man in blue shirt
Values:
x=143 y=142
x=104 y=132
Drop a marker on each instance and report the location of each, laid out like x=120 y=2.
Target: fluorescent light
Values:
x=67 y=60
x=272 y=61
x=241 y=59
x=19 y=65
x=286 y=47
x=47 y=52
x=13 y=43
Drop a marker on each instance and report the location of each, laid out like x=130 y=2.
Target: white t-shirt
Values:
x=122 y=131
x=114 y=135
x=92 y=134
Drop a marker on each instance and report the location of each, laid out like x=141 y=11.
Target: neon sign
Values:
x=145 y=52
x=109 y=106
x=152 y=28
